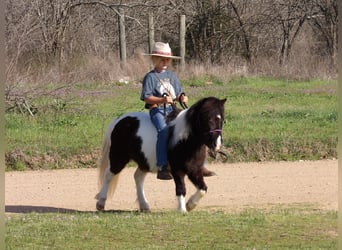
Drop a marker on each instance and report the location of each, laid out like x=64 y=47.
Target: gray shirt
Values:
x=156 y=84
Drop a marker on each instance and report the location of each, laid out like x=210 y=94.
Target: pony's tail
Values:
x=104 y=164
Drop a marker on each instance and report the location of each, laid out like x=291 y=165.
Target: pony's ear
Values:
x=223 y=101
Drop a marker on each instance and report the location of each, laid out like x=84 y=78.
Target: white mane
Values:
x=181 y=128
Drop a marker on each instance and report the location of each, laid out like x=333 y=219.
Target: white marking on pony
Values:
x=148 y=134
x=218 y=143
x=181 y=130
x=181 y=204
x=194 y=199
x=219 y=138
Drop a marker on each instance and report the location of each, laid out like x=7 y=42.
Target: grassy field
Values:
x=266 y=119
x=277 y=228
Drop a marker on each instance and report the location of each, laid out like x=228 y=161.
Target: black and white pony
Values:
x=133 y=137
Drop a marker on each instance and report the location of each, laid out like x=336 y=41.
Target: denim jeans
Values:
x=158 y=119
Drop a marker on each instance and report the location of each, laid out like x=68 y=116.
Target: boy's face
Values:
x=161 y=63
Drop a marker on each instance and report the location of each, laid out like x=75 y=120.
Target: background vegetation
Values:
x=78 y=40
x=266 y=119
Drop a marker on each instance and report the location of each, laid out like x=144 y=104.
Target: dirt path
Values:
x=235 y=186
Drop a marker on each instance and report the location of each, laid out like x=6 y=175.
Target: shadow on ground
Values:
x=24 y=209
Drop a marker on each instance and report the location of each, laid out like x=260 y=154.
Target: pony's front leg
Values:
x=139 y=177
x=198 y=181
x=194 y=199
x=180 y=192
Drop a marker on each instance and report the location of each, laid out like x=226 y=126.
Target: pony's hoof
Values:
x=145 y=210
x=99 y=207
x=190 y=206
x=208 y=173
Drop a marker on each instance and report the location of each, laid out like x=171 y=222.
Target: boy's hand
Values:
x=167 y=99
x=183 y=98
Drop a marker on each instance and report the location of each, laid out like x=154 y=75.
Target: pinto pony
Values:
x=133 y=137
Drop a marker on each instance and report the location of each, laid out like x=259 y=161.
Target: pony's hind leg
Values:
x=106 y=183
x=139 y=178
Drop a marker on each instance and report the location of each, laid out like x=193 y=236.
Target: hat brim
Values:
x=166 y=56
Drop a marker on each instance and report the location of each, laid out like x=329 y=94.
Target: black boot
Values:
x=163 y=173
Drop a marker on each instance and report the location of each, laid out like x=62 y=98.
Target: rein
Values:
x=183 y=104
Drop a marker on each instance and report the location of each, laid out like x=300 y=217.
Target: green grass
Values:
x=266 y=119
x=277 y=228
x=276 y=120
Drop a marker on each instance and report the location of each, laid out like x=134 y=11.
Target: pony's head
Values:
x=206 y=118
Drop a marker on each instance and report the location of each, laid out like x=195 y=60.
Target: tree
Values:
x=324 y=23
x=42 y=34
x=289 y=16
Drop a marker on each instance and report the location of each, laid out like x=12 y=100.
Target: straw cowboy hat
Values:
x=163 y=50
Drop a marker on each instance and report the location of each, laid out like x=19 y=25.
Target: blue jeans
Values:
x=158 y=119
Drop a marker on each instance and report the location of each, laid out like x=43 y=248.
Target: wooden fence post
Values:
x=182 y=40
x=122 y=37
x=150 y=32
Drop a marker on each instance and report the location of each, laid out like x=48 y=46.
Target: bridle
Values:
x=215 y=130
